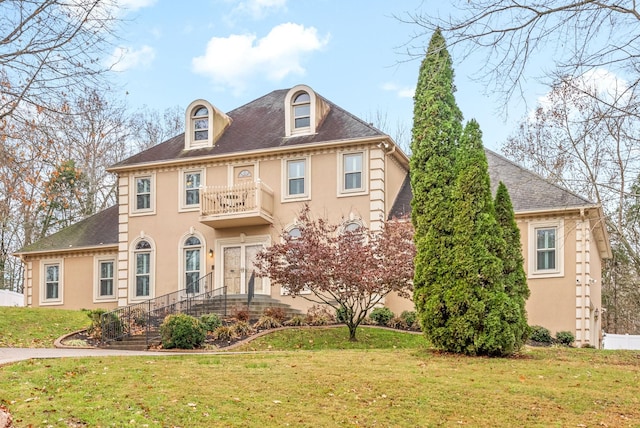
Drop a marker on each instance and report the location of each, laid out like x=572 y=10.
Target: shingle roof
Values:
x=259 y=125
x=97 y=230
x=528 y=190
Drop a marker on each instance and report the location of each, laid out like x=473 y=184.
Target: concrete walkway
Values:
x=12 y=355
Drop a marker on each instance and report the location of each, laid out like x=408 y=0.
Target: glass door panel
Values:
x=231 y=272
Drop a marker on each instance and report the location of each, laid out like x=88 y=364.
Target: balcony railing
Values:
x=242 y=204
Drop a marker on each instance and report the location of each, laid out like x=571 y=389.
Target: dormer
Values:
x=304 y=111
x=204 y=125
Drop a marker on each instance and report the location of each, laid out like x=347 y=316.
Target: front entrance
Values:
x=237 y=267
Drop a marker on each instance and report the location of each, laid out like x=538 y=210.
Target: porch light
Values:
x=210 y=252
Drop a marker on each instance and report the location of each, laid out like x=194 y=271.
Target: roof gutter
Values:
x=21 y=254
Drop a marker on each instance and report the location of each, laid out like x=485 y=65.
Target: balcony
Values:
x=244 y=204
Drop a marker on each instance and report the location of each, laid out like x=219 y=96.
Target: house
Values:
x=193 y=212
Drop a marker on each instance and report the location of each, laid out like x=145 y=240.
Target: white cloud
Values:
x=238 y=58
x=132 y=5
x=125 y=58
x=259 y=8
x=401 y=92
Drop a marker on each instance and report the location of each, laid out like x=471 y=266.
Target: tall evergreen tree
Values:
x=513 y=262
x=437 y=125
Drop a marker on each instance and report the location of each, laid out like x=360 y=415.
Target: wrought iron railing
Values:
x=146 y=317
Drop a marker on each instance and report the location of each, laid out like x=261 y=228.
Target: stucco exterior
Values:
x=253 y=169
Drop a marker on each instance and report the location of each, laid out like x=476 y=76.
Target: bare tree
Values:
x=582 y=138
x=515 y=37
x=50 y=50
x=151 y=127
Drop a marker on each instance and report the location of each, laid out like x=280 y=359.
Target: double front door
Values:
x=238 y=268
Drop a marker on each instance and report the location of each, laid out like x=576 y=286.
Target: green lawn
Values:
x=38 y=327
x=315 y=377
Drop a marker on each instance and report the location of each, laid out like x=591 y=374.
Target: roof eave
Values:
x=21 y=254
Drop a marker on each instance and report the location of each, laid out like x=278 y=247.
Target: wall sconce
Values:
x=596 y=313
x=210 y=253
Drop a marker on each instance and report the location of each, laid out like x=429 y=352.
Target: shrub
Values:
x=211 y=321
x=296 y=321
x=540 y=334
x=241 y=314
x=398 y=323
x=225 y=332
x=243 y=328
x=343 y=314
x=565 y=338
x=410 y=317
x=182 y=331
x=95 y=329
x=320 y=315
x=381 y=316
x=266 y=322
x=278 y=314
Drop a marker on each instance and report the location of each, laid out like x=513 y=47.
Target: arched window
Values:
x=294 y=232
x=192 y=253
x=301 y=110
x=200 y=121
x=142 y=258
x=352 y=226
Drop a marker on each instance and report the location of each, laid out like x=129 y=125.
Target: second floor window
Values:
x=352 y=171
x=296 y=177
x=143 y=193
x=192 y=188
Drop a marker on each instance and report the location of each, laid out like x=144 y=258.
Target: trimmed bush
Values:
x=182 y=331
x=565 y=338
x=381 y=316
x=540 y=334
x=409 y=317
x=211 y=321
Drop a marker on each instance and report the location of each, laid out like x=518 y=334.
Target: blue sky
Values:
x=232 y=52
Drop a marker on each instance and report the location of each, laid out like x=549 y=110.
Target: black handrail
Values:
x=139 y=317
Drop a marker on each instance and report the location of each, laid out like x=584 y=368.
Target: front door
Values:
x=237 y=261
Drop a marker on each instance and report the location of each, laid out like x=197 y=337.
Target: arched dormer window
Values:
x=204 y=125
x=303 y=111
x=200 y=121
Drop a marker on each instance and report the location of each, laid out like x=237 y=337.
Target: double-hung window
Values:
x=546 y=248
x=143 y=269
x=192 y=188
x=143 y=193
x=352 y=172
x=105 y=279
x=51 y=288
x=296 y=181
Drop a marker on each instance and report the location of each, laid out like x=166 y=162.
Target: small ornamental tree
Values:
x=351 y=271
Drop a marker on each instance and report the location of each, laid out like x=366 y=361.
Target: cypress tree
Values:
x=437 y=125
x=513 y=262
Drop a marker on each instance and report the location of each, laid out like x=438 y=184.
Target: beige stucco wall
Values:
x=77 y=285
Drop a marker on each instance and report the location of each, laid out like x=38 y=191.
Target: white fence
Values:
x=11 y=298
x=621 y=341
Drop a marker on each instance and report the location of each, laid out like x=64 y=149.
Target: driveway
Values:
x=12 y=355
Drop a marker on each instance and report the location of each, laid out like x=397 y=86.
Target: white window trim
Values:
x=182 y=194
x=286 y=197
x=342 y=192
x=43 y=286
x=132 y=270
x=96 y=279
x=289 y=120
x=134 y=193
x=190 y=141
x=532 y=270
x=203 y=257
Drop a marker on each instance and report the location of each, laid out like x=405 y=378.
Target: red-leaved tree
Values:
x=351 y=271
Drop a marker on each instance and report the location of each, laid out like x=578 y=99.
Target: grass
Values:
x=315 y=377
x=37 y=327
